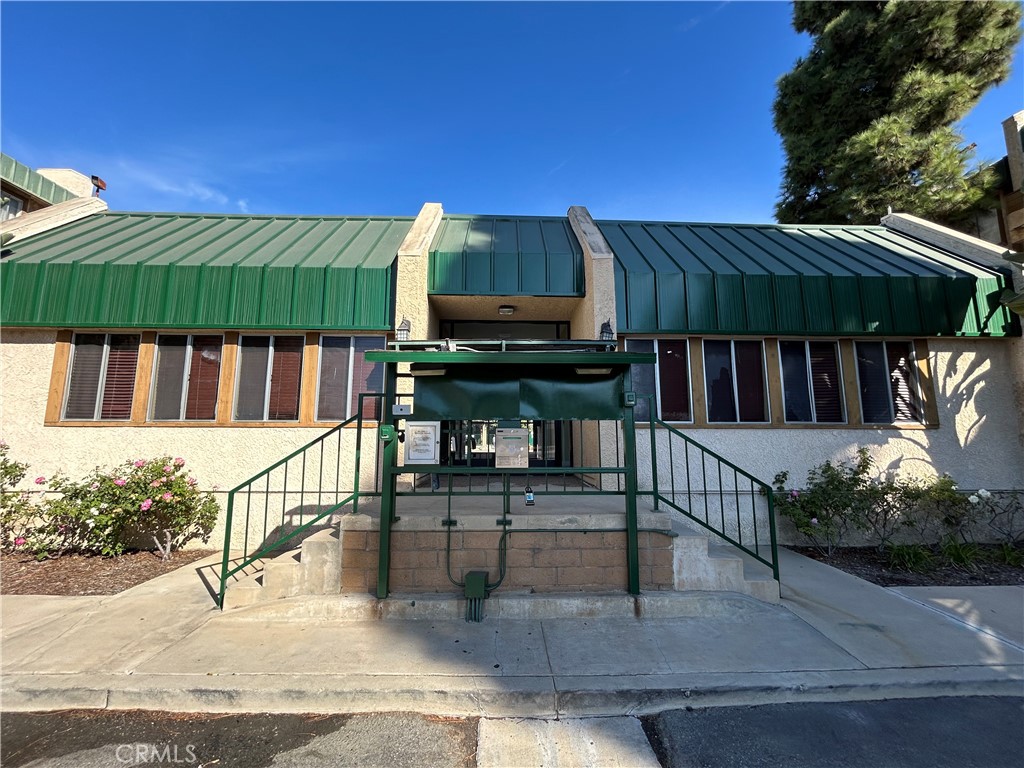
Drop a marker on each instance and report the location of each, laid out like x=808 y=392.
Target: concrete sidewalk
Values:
x=163 y=645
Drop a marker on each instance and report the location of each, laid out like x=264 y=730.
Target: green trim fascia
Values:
x=514 y=358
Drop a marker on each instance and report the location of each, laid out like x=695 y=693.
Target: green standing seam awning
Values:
x=143 y=270
x=15 y=174
x=506 y=256
x=549 y=384
x=802 y=280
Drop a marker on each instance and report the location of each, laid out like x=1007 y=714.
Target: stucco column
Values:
x=598 y=304
x=412 y=271
x=411 y=299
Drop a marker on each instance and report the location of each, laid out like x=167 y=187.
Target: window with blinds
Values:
x=101 y=382
x=269 y=378
x=811 y=383
x=887 y=377
x=345 y=374
x=186 y=378
x=735 y=383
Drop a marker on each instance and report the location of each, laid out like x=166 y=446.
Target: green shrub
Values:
x=833 y=501
x=910 y=557
x=944 y=513
x=1009 y=554
x=963 y=554
x=887 y=509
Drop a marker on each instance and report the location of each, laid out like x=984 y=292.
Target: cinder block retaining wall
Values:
x=563 y=561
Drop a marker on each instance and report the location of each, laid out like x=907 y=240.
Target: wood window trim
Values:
x=773 y=361
x=925 y=382
x=309 y=389
x=144 y=375
x=58 y=377
x=60 y=380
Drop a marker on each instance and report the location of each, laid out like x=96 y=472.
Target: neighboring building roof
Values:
x=122 y=270
x=14 y=174
x=506 y=256
x=772 y=279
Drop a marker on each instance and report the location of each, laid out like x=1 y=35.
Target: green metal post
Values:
x=654 y=449
x=387 y=490
x=771 y=528
x=629 y=454
x=356 y=484
x=227 y=549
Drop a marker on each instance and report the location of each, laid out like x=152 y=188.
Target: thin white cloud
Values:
x=243 y=205
x=175 y=183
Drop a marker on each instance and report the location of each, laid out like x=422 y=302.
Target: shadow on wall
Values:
x=965 y=404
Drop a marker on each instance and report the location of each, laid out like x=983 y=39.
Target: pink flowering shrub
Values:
x=111 y=510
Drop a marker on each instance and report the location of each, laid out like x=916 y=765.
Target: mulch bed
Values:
x=871 y=565
x=75 y=575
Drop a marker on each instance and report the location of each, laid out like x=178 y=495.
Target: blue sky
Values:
x=655 y=111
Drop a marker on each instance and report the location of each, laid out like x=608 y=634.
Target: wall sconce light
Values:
x=402 y=331
x=506 y=309
x=607 y=334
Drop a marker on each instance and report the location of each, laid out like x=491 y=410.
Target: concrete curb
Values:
x=493 y=696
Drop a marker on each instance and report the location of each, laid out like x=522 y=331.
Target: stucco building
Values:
x=234 y=341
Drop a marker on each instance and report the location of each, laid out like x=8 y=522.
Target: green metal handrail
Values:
x=718 y=527
x=268 y=542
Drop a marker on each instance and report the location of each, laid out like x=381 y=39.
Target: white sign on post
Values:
x=423 y=442
x=511 y=448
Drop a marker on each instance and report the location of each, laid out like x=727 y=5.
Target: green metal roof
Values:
x=506 y=256
x=125 y=270
x=14 y=174
x=773 y=279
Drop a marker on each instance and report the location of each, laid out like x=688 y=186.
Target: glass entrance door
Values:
x=471 y=443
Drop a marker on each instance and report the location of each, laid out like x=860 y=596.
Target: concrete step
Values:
x=701 y=564
x=312 y=569
x=506 y=605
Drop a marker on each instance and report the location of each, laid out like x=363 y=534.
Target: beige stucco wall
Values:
x=220 y=457
x=980 y=440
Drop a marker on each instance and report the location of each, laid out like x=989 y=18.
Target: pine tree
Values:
x=867 y=117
